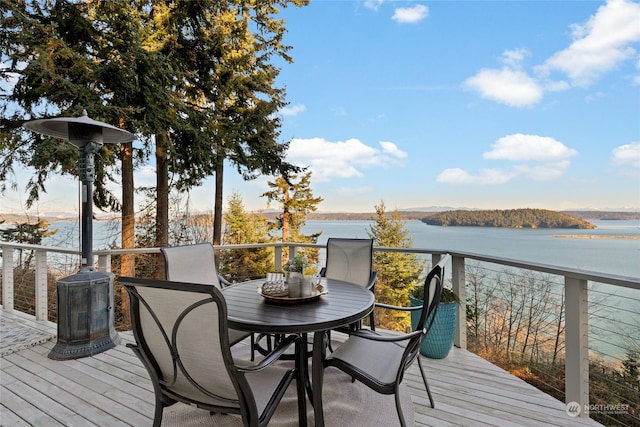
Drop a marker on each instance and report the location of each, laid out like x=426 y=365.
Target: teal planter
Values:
x=439 y=340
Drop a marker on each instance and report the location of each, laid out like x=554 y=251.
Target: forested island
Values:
x=417 y=214
x=512 y=218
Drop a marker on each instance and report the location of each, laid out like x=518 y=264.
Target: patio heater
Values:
x=85 y=299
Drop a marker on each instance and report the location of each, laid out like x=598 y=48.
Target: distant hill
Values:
x=604 y=215
x=414 y=214
x=512 y=218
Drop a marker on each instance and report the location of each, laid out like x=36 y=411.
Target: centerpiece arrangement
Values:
x=297 y=283
x=299 y=275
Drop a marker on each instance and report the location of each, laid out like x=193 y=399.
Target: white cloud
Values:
x=373 y=4
x=292 y=111
x=544 y=171
x=410 y=15
x=540 y=159
x=509 y=85
x=391 y=148
x=514 y=57
x=342 y=159
x=485 y=177
x=529 y=148
x=627 y=155
x=599 y=45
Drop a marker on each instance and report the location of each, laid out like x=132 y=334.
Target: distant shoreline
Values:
x=595 y=236
x=14 y=219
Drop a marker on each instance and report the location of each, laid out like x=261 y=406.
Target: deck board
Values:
x=113 y=389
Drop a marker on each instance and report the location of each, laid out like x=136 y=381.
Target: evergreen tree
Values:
x=296 y=200
x=195 y=78
x=238 y=265
x=27 y=233
x=398 y=273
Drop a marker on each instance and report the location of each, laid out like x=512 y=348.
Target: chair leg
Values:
x=253 y=347
x=399 y=407
x=301 y=363
x=424 y=379
x=157 y=417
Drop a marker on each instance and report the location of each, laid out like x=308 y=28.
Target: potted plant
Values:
x=439 y=340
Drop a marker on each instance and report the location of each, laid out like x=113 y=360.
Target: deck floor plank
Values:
x=41 y=395
x=59 y=394
x=113 y=388
x=24 y=410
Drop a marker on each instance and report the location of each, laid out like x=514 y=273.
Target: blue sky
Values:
x=505 y=104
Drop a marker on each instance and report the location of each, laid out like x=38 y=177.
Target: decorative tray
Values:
x=284 y=298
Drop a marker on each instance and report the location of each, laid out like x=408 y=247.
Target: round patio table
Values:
x=345 y=304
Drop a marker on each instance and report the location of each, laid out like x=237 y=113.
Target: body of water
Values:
x=617 y=307
x=605 y=255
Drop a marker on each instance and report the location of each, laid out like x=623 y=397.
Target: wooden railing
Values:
x=575 y=288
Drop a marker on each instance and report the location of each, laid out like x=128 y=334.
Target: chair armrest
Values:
x=395 y=307
x=224 y=282
x=374 y=336
x=271 y=357
x=372 y=281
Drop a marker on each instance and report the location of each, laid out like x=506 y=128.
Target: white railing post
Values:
x=104 y=263
x=42 y=304
x=576 y=364
x=7 y=277
x=278 y=260
x=458 y=286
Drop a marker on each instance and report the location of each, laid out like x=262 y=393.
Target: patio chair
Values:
x=351 y=260
x=193 y=365
x=380 y=361
x=196 y=264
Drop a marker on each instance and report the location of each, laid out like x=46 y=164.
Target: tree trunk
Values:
x=127 y=261
x=286 y=217
x=217 y=208
x=162 y=201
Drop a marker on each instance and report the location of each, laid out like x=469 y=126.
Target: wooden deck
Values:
x=113 y=389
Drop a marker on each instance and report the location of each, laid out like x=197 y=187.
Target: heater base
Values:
x=85 y=315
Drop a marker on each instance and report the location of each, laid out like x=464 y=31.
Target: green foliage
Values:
x=241 y=227
x=398 y=273
x=199 y=74
x=27 y=233
x=447 y=296
x=514 y=218
x=296 y=200
x=55 y=51
x=297 y=264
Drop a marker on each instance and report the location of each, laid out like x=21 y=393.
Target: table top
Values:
x=344 y=304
